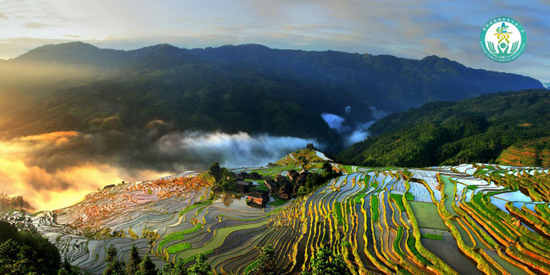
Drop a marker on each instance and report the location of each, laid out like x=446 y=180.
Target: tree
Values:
x=7 y=231
x=201 y=266
x=13 y=259
x=28 y=253
x=325 y=263
x=267 y=263
x=67 y=268
x=215 y=171
x=304 y=161
x=23 y=252
x=146 y=267
x=135 y=260
x=3 y=201
x=327 y=168
x=310 y=146
x=171 y=269
x=20 y=202
x=114 y=268
x=111 y=253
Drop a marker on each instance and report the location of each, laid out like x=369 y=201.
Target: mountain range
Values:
x=250 y=88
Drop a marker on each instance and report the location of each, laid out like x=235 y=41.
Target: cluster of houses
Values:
x=282 y=187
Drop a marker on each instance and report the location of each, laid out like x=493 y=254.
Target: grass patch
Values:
x=399 y=201
x=363 y=193
x=409 y=196
x=251 y=267
x=278 y=202
x=178 y=247
x=374 y=208
x=346 y=244
x=396 y=243
x=432 y=236
x=217 y=241
x=359 y=197
x=471 y=187
x=338 y=213
x=427 y=216
x=411 y=242
x=195 y=205
x=178 y=235
x=450 y=192
x=261 y=186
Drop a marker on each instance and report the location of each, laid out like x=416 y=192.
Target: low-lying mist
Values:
x=352 y=131
x=58 y=169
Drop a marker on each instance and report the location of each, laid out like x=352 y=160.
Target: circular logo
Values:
x=503 y=39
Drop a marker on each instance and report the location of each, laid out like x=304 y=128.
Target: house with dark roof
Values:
x=258 y=198
x=285 y=191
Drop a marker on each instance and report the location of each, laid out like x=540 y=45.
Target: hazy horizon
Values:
x=402 y=28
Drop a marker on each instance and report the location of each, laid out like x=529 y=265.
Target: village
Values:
x=281 y=187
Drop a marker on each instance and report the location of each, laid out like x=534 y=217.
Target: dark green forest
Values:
x=26 y=252
x=445 y=133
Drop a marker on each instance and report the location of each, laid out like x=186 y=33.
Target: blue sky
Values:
x=411 y=29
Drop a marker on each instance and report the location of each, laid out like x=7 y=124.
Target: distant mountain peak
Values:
x=163 y=57
x=252 y=45
x=70 y=46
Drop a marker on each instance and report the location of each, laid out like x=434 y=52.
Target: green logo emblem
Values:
x=503 y=39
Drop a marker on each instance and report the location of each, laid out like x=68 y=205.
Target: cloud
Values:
x=57 y=169
x=359 y=134
x=36 y=25
x=335 y=122
x=231 y=150
x=350 y=130
x=47 y=171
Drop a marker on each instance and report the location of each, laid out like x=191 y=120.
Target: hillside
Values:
x=473 y=130
x=536 y=153
x=387 y=82
x=189 y=94
x=446 y=220
x=301 y=156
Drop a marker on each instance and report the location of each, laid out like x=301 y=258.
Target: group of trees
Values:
x=26 y=252
x=315 y=180
x=17 y=202
x=325 y=262
x=137 y=265
x=266 y=262
x=223 y=177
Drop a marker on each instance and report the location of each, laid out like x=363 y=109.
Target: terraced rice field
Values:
x=486 y=220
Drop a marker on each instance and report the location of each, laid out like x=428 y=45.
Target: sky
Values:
x=410 y=29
